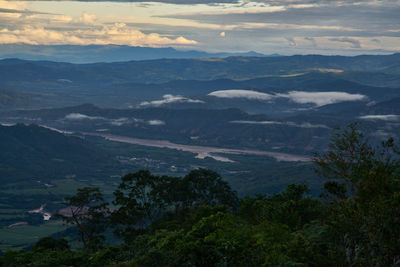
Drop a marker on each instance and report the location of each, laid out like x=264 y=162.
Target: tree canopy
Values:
x=198 y=220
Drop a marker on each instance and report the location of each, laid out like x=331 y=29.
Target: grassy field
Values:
x=19 y=237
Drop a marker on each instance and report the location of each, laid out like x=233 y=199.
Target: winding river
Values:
x=201 y=151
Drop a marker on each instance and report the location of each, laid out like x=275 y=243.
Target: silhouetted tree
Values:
x=88 y=212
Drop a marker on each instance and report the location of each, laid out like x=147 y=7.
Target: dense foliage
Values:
x=198 y=220
x=33 y=151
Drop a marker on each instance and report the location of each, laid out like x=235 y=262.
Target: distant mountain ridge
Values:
x=105 y=53
x=164 y=70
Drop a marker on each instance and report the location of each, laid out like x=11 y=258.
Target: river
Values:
x=202 y=151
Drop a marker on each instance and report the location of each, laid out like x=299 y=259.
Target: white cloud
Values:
x=389 y=117
x=119 y=34
x=120 y=121
x=79 y=116
x=288 y=123
x=249 y=94
x=301 y=97
x=321 y=98
x=257 y=122
x=156 y=122
x=87 y=18
x=114 y=122
x=168 y=99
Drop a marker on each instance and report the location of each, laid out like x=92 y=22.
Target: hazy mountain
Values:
x=164 y=70
x=104 y=53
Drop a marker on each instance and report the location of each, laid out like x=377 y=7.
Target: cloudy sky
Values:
x=346 y=27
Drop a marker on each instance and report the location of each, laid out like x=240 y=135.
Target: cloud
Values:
x=120 y=121
x=258 y=25
x=114 y=122
x=328 y=23
x=321 y=98
x=288 y=123
x=169 y=99
x=87 y=18
x=156 y=122
x=291 y=41
x=291 y=3
x=118 y=34
x=18 y=11
x=79 y=116
x=12 y=4
x=312 y=40
x=308 y=3
x=301 y=97
x=249 y=94
x=389 y=117
x=354 y=43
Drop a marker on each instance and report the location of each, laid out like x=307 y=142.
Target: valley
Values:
x=66 y=126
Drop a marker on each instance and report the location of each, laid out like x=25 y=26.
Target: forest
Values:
x=198 y=220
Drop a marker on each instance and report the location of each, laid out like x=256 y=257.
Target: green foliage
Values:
x=143 y=198
x=88 y=211
x=44 y=258
x=290 y=208
x=49 y=243
x=364 y=211
x=139 y=203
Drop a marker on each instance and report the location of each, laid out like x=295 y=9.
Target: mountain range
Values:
x=105 y=53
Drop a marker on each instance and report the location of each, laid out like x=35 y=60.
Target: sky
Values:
x=330 y=27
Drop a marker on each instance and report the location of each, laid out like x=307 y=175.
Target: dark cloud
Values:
x=312 y=40
x=354 y=43
x=322 y=2
x=16 y=11
x=291 y=41
x=360 y=21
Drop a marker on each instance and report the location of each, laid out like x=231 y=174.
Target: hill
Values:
x=33 y=152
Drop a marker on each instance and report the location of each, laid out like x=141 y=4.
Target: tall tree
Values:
x=364 y=189
x=88 y=212
x=139 y=203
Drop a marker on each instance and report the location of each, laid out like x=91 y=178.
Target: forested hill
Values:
x=36 y=152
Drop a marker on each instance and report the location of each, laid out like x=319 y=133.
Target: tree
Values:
x=202 y=186
x=143 y=199
x=88 y=212
x=139 y=203
x=49 y=243
x=290 y=208
x=364 y=195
